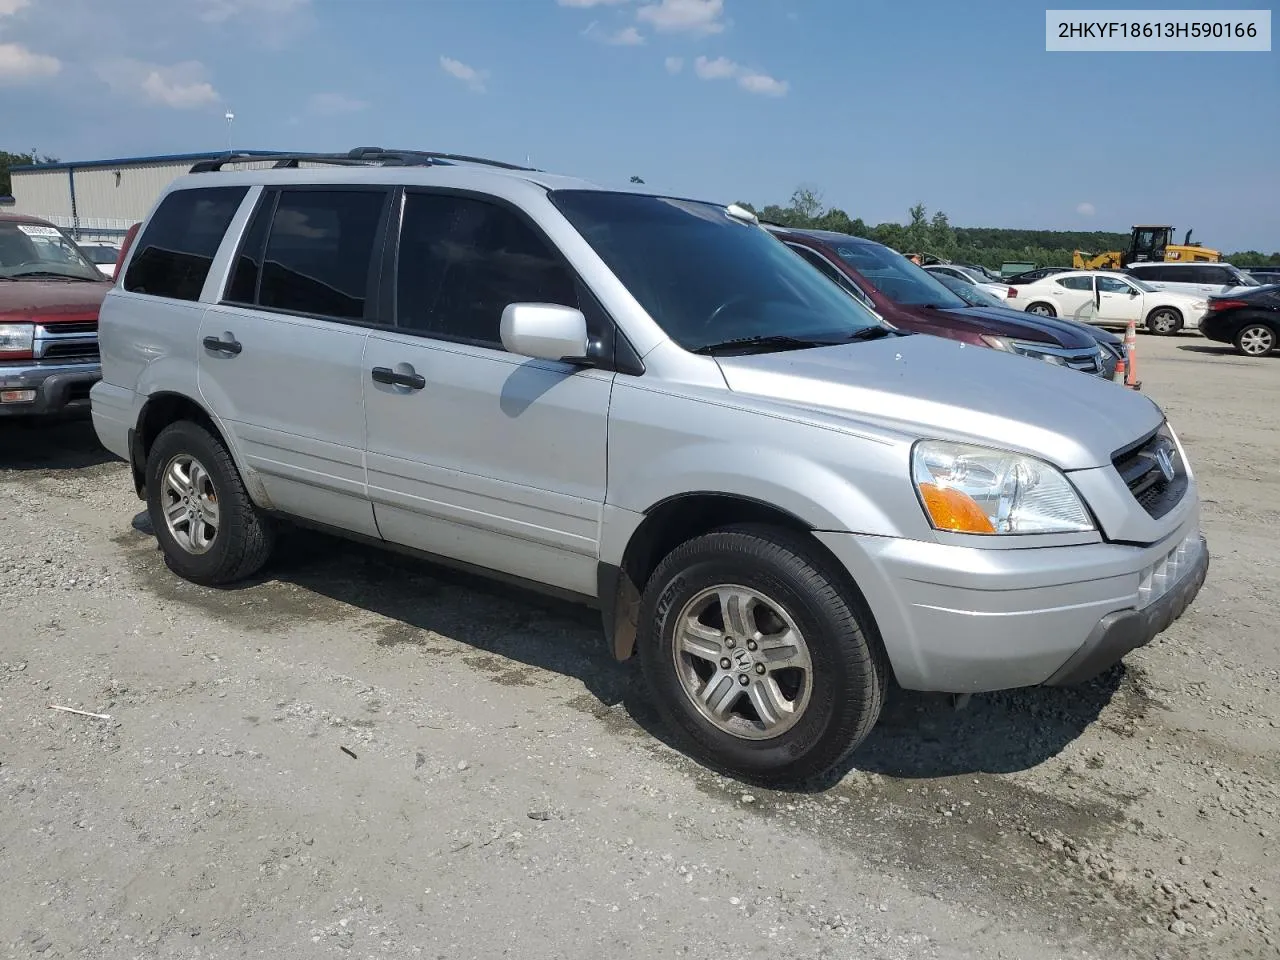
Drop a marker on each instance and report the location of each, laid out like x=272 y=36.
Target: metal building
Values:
x=98 y=199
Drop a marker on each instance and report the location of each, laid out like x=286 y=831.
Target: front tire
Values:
x=1256 y=340
x=760 y=655
x=1164 y=321
x=209 y=530
x=1042 y=310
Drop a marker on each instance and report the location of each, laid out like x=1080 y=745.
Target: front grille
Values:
x=1153 y=471
x=75 y=342
x=1084 y=362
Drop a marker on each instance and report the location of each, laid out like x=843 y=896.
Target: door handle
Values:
x=231 y=346
x=414 y=381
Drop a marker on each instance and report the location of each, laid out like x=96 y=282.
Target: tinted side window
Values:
x=463 y=261
x=248 y=267
x=1076 y=283
x=1213 y=275
x=1148 y=273
x=177 y=247
x=320 y=251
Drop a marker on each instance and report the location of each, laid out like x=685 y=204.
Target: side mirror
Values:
x=544 y=331
x=1133 y=291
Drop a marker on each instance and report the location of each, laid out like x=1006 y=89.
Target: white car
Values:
x=970 y=276
x=103 y=256
x=1105 y=298
x=1197 y=279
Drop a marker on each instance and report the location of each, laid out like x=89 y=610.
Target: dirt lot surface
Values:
x=362 y=755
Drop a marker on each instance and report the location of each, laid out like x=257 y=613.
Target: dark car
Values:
x=1250 y=321
x=909 y=298
x=1264 y=274
x=974 y=296
x=49 y=299
x=1031 y=276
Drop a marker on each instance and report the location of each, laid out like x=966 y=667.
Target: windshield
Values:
x=897 y=277
x=973 y=296
x=706 y=278
x=40 y=251
x=1141 y=285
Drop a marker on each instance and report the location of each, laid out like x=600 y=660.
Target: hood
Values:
x=51 y=301
x=925 y=386
x=1025 y=326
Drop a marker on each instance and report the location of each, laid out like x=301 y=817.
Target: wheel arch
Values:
x=667 y=524
x=165 y=407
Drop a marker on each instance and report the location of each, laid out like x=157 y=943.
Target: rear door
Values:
x=474 y=453
x=281 y=354
x=1073 y=297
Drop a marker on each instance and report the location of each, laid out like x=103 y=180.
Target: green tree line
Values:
x=989 y=246
x=10 y=160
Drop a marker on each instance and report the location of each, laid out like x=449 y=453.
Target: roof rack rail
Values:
x=359 y=157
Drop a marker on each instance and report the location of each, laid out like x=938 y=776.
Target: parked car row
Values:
x=1107 y=297
x=777 y=493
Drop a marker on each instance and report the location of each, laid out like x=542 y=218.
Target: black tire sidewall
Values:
x=806 y=749
x=193 y=440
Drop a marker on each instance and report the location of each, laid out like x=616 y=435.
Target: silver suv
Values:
x=650 y=404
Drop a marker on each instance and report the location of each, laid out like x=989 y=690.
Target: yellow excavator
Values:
x=1147 y=244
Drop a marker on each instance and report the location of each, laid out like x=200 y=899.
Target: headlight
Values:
x=17 y=339
x=1022 y=348
x=968 y=489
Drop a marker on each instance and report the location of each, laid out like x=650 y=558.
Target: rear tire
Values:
x=210 y=531
x=1164 y=321
x=1256 y=339
x=1042 y=310
x=806 y=675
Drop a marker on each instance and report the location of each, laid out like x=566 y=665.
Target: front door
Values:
x=1074 y=297
x=281 y=357
x=1118 y=301
x=473 y=453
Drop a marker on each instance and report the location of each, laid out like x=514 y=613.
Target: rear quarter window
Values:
x=177 y=247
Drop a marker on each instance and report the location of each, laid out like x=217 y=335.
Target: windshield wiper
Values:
x=871 y=333
x=775 y=342
x=48 y=273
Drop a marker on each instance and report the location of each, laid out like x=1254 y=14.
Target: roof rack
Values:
x=359 y=157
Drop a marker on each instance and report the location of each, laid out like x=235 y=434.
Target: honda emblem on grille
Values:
x=1163 y=457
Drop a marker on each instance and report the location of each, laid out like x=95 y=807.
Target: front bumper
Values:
x=966 y=620
x=59 y=388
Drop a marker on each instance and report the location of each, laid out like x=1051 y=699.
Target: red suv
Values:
x=909 y=298
x=50 y=293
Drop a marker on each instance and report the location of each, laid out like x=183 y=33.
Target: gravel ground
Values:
x=361 y=755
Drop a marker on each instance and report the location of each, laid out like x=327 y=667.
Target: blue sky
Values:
x=876 y=104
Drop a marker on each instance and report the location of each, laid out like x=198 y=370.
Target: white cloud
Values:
x=626 y=37
x=752 y=81
x=698 y=17
x=763 y=84
x=472 y=77
x=1086 y=209
x=220 y=11
x=674 y=65
x=717 y=69
x=181 y=86
x=9 y=7
x=20 y=65
x=333 y=104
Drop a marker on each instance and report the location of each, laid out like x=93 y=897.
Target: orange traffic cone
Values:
x=1119 y=375
x=1131 y=356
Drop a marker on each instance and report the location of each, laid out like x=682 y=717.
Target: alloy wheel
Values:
x=743 y=662
x=190 y=504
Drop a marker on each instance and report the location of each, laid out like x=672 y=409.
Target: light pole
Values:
x=230 y=117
